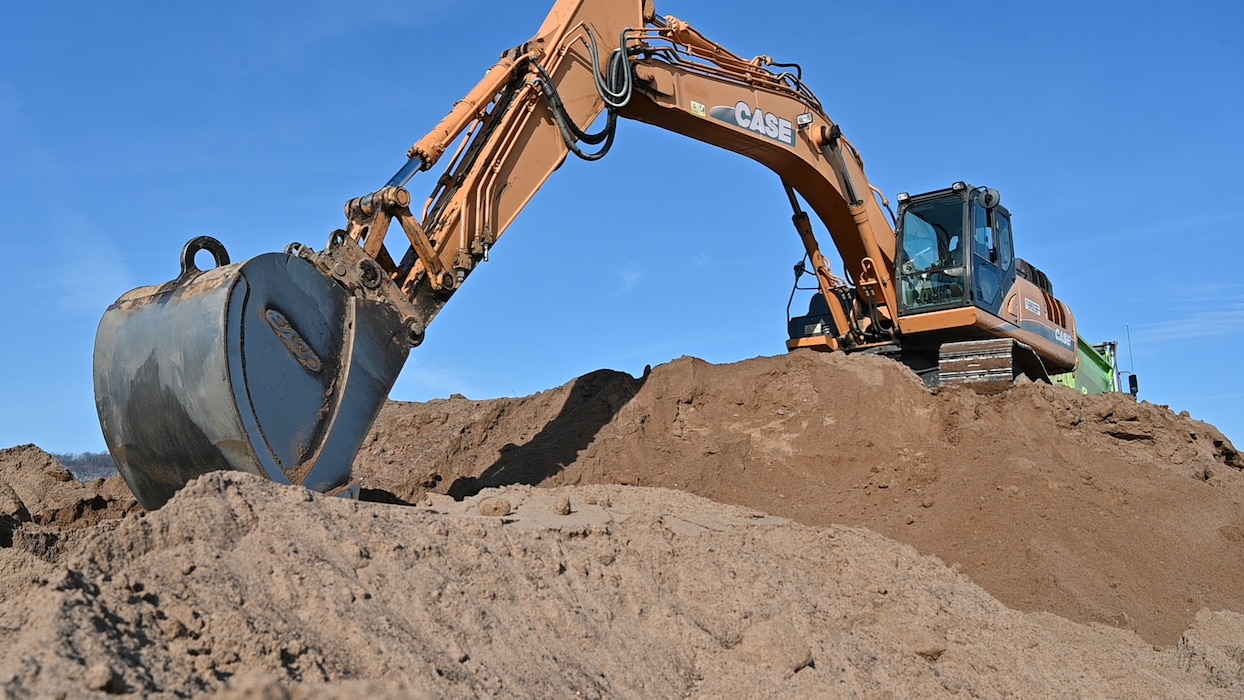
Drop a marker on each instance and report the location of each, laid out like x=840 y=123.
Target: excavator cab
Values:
x=967 y=306
x=969 y=310
x=954 y=249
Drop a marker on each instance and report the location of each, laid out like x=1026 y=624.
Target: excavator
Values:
x=278 y=365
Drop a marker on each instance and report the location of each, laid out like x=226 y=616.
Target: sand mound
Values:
x=1099 y=509
x=243 y=586
x=44 y=509
x=844 y=474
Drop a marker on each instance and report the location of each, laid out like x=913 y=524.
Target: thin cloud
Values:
x=326 y=21
x=706 y=260
x=1211 y=397
x=11 y=118
x=22 y=155
x=100 y=273
x=1203 y=324
x=422 y=380
x=629 y=276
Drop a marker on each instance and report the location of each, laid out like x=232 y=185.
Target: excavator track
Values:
x=988 y=366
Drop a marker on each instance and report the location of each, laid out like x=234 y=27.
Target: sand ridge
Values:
x=805 y=525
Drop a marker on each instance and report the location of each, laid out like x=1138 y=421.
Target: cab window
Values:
x=1006 y=250
x=985 y=239
x=931 y=265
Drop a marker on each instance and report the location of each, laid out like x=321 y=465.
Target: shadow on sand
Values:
x=593 y=402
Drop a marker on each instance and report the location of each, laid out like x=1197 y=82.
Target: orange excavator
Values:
x=278 y=365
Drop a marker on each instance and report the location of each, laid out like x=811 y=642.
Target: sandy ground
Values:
x=804 y=526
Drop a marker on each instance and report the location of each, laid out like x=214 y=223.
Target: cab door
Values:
x=993 y=256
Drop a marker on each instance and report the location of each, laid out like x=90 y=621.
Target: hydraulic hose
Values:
x=616 y=86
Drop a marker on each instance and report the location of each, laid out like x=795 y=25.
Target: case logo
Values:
x=755 y=119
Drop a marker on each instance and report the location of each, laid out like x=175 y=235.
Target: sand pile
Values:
x=1099 y=508
x=596 y=584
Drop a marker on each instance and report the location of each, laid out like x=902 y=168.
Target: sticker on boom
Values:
x=745 y=116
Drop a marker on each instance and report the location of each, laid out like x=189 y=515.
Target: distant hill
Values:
x=88 y=466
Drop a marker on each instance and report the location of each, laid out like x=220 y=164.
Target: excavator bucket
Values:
x=271 y=366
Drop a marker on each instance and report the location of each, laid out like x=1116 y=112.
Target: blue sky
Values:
x=1111 y=129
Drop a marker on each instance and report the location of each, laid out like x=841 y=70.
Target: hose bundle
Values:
x=616 y=86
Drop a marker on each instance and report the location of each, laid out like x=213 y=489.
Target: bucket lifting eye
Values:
x=192 y=248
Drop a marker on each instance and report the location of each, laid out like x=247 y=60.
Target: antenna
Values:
x=1132 y=383
x=1131 y=359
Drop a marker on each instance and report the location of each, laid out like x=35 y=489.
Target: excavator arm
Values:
x=278 y=365
x=595 y=57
